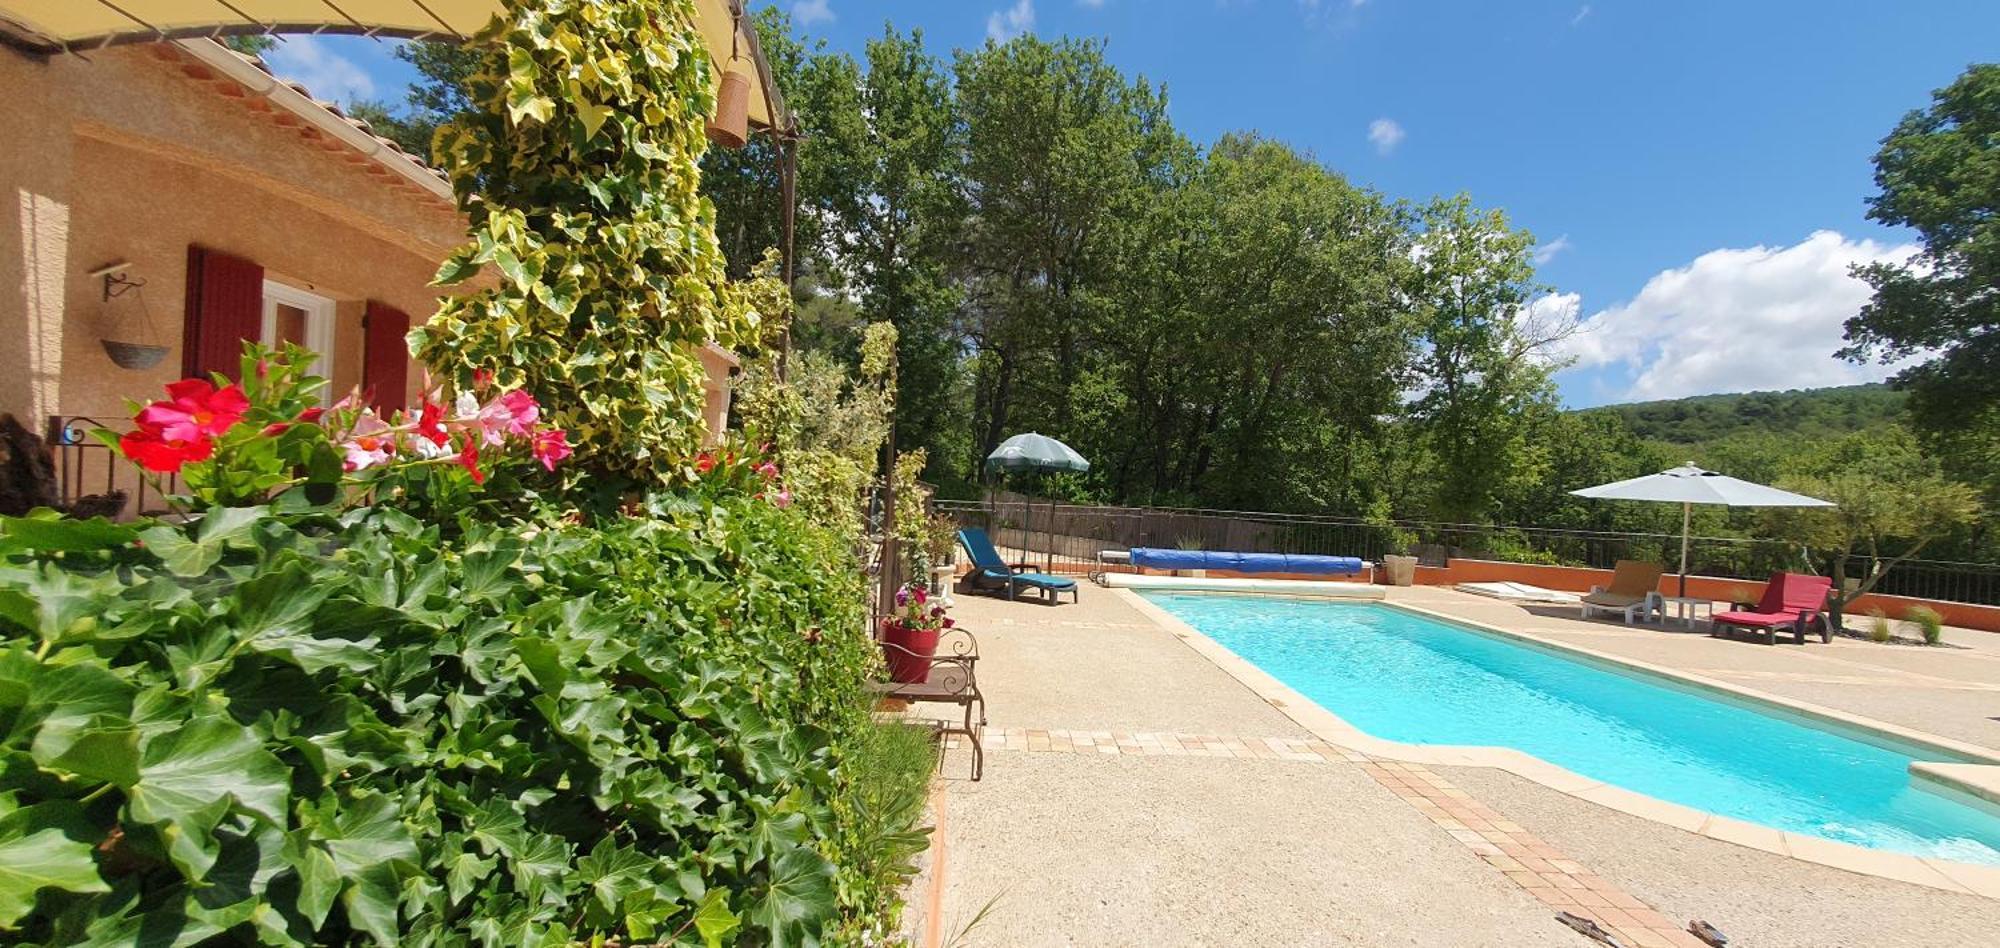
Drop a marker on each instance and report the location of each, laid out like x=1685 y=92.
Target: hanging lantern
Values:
x=730 y=126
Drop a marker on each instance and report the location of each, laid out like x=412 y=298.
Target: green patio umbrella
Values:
x=1037 y=452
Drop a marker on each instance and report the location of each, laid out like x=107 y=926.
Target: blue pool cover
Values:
x=1244 y=562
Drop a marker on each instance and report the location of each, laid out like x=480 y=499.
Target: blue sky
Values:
x=1695 y=171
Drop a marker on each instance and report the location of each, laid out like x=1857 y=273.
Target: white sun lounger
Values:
x=1516 y=592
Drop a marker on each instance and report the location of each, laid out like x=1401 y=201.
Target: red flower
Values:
x=482 y=378
x=551 y=445
x=705 y=462
x=154 y=452
x=195 y=410
x=468 y=458
x=311 y=415
x=430 y=423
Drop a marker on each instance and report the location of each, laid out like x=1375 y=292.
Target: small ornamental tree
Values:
x=1874 y=509
x=578 y=171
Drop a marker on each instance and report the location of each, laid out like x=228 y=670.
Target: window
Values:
x=292 y=315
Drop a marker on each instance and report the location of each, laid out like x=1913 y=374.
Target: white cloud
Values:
x=1548 y=251
x=327 y=74
x=1581 y=12
x=1737 y=321
x=1385 y=134
x=808 y=12
x=1003 y=25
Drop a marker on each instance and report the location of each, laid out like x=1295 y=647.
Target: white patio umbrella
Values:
x=1688 y=485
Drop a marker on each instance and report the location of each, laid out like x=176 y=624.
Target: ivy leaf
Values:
x=45 y=859
x=190 y=776
x=799 y=895
x=103 y=748
x=56 y=604
x=457 y=268
x=613 y=872
x=47 y=534
x=319 y=879
x=714 y=920
x=592 y=116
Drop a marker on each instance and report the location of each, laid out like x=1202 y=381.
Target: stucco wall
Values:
x=139 y=151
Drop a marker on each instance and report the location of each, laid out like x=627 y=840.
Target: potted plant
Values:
x=913 y=629
x=1400 y=567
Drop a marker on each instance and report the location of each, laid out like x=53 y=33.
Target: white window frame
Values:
x=319 y=324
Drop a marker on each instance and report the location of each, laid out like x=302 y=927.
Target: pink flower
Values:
x=783 y=500
x=194 y=410
x=522 y=413
x=512 y=414
x=369 y=444
x=551 y=446
x=767 y=470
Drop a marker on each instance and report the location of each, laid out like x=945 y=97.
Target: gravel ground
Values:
x=1760 y=900
x=1107 y=851
x=1099 y=664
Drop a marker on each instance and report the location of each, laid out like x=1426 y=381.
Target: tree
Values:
x=1061 y=154
x=1875 y=508
x=1484 y=366
x=1939 y=173
x=251 y=44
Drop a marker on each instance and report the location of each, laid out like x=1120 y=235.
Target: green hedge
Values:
x=304 y=728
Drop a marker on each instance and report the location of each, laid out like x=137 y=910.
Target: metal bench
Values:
x=953 y=680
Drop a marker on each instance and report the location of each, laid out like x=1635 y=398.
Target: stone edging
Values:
x=1949 y=876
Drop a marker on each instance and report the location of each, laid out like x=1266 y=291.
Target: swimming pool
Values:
x=1405 y=677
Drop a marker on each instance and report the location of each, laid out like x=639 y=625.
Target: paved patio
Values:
x=1137 y=794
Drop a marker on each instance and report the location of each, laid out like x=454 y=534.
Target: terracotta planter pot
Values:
x=910 y=661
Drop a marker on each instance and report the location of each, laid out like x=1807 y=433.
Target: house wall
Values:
x=140 y=151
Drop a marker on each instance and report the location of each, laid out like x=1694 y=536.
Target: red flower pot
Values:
x=910 y=660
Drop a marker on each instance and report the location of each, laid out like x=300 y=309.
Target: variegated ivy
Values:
x=579 y=173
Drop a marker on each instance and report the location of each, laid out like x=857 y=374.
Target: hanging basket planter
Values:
x=133 y=355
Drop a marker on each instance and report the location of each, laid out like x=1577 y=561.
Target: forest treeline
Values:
x=1228 y=324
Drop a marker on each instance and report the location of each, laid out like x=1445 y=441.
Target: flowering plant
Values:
x=917 y=612
x=235 y=443
x=751 y=472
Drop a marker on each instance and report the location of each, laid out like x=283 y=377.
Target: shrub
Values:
x=1878 y=626
x=1929 y=622
x=314 y=728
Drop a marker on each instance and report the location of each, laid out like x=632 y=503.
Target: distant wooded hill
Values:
x=1808 y=413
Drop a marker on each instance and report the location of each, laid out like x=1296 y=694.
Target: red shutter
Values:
x=385 y=357
x=225 y=306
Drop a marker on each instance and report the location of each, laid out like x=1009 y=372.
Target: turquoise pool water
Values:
x=1405 y=677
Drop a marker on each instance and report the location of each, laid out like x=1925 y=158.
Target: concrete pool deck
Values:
x=1136 y=793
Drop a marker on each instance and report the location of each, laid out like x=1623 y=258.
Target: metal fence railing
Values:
x=86 y=467
x=1071 y=536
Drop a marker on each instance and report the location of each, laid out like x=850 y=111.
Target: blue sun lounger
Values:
x=990 y=571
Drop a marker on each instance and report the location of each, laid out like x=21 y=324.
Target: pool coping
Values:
x=1962 y=878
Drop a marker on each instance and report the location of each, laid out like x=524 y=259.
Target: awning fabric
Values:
x=78 y=25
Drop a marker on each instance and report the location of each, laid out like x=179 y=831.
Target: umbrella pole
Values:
x=1049 y=561
x=1687 y=516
